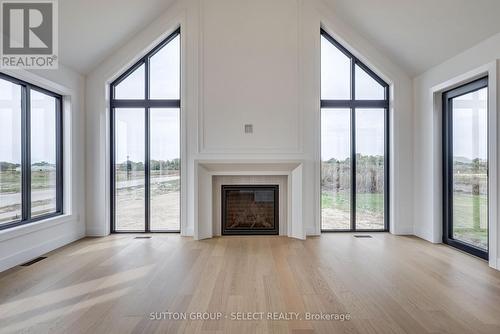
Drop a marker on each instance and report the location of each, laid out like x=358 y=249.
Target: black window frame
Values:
x=147 y=103
x=447 y=141
x=354 y=104
x=26 y=217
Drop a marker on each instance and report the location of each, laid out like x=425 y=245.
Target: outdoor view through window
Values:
x=28 y=192
x=354 y=104
x=470 y=168
x=146 y=127
x=10 y=152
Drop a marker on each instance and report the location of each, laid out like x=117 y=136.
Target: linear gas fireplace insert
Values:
x=250 y=209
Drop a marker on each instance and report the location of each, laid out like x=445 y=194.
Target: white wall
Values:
x=250 y=75
x=23 y=243
x=97 y=110
x=252 y=62
x=314 y=13
x=481 y=59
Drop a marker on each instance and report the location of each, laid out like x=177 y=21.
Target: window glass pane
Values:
x=165 y=169
x=367 y=88
x=129 y=170
x=10 y=152
x=165 y=69
x=335 y=72
x=370 y=169
x=335 y=169
x=133 y=86
x=470 y=168
x=43 y=154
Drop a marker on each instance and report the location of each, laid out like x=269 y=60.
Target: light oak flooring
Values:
x=387 y=284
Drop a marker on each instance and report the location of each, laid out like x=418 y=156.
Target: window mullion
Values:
x=147 y=181
x=59 y=156
x=387 y=156
x=147 y=105
x=353 y=104
x=27 y=91
x=26 y=152
x=353 y=169
x=353 y=146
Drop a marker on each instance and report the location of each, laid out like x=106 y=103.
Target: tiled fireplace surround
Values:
x=211 y=175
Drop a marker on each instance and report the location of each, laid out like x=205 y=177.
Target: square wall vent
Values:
x=248 y=128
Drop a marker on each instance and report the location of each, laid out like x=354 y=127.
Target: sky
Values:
x=165 y=134
x=336 y=134
x=42 y=120
x=335 y=123
x=10 y=122
x=469 y=113
x=470 y=125
x=164 y=72
x=165 y=122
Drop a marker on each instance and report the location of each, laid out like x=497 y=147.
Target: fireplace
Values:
x=250 y=209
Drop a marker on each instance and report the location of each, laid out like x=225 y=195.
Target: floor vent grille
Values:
x=38 y=259
x=142 y=238
x=362 y=236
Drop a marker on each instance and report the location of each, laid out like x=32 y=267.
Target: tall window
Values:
x=30 y=153
x=354 y=142
x=465 y=167
x=145 y=127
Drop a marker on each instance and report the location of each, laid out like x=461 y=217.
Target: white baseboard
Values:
x=311 y=232
x=38 y=250
x=187 y=233
x=95 y=232
x=403 y=230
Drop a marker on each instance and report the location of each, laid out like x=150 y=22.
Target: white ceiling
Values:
x=419 y=34
x=89 y=30
x=416 y=34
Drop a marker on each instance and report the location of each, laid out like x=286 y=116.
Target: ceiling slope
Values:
x=419 y=34
x=416 y=34
x=89 y=30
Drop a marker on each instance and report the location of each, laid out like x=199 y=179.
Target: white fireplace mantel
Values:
x=206 y=169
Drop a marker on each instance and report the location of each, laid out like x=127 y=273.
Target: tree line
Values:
x=336 y=174
x=11 y=167
x=130 y=165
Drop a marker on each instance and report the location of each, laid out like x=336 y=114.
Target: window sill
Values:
x=20 y=230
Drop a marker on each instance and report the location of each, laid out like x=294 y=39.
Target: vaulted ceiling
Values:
x=419 y=34
x=89 y=30
x=416 y=34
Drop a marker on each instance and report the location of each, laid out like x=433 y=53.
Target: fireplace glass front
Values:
x=250 y=209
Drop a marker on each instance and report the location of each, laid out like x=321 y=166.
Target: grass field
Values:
x=10 y=181
x=336 y=211
x=370 y=204
x=466 y=221
x=366 y=203
x=43 y=196
x=135 y=175
x=464 y=216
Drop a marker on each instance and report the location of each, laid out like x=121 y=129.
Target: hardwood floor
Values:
x=386 y=284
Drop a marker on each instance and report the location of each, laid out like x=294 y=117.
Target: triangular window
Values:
x=367 y=88
x=165 y=71
x=335 y=72
x=132 y=87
